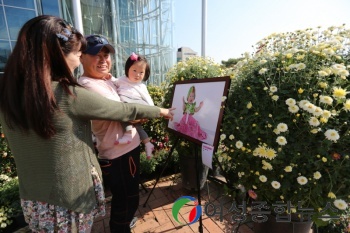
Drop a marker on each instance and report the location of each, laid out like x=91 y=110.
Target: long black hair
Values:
x=26 y=97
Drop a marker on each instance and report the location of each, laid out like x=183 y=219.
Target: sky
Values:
x=235 y=26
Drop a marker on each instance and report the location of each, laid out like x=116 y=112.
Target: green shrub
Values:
x=10 y=205
x=7 y=162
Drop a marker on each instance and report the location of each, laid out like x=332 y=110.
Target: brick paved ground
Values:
x=156 y=216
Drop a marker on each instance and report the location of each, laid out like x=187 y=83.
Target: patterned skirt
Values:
x=43 y=217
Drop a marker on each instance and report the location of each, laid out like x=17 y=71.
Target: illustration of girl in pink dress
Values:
x=188 y=124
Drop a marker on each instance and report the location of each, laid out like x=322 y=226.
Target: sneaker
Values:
x=133 y=222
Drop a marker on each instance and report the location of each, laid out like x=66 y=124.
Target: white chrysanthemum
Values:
x=324 y=217
x=340 y=204
x=273 y=89
x=302 y=180
x=266 y=165
x=275 y=184
x=262 y=178
x=317 y=111
x=309 y=107
x=282 y=127
x=275 y=97
x=332 y=135
x=314 y=121
x=281 y=140
x=231 y=137
x=262 y=61
x=343 y=73
x=223 y=136
x=291 y=102
x=346 y=105
x=326 y=99
x=262 y=71
x=326 y=114
x=239 y=144
x=303 y=103
x=288 y=169
x=300 y=66
x=293 y=108
x=322 y=73
x=317 y=175
x=336 y=68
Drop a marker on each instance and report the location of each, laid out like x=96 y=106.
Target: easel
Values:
x=197 y=177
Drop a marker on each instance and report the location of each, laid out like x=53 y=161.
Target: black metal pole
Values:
x=200 y=227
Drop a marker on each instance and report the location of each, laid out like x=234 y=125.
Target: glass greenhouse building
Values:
x=141 y=26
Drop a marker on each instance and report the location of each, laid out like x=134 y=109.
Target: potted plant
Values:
x=286 y=122
x=192 y=68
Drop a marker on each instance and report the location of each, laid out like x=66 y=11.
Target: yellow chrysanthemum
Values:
x=339 y=92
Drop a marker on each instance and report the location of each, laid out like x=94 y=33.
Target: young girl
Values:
x=188 y=124
x=131 y=89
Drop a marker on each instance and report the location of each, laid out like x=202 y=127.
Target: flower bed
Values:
x=285 y=130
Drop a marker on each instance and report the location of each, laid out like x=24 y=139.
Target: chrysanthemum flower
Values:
x=262 y=178
x=266 y=165
x=314 y=122
x=262 y=71
x=346 y=105
x=332 y=135
x=282 y=127
x=293 y=108
x=326 y=99
x=302 y=180
x=288 y=169
x=273 y=89
x=340 y=204
x=271 y=153
x=331 y=195
x=275 y=184
x=281 y=140
x=239 y=144
x=339 y=92
x=317 y=175
x=290 y=102
x=249 y=105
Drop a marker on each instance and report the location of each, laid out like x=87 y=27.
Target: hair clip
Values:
x=64 y=37
x=133 y=57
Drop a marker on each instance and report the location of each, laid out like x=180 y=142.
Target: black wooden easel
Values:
x=197 y=176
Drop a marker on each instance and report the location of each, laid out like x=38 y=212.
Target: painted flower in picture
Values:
x=287 y=121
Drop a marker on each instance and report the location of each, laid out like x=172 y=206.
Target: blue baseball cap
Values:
x=95 y=43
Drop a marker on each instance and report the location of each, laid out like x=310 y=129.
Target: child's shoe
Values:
x=149 y=149
x=126 y=139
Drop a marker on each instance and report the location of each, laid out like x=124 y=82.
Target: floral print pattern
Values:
x=43 y=217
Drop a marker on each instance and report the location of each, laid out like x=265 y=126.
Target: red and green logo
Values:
x=195 y=212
